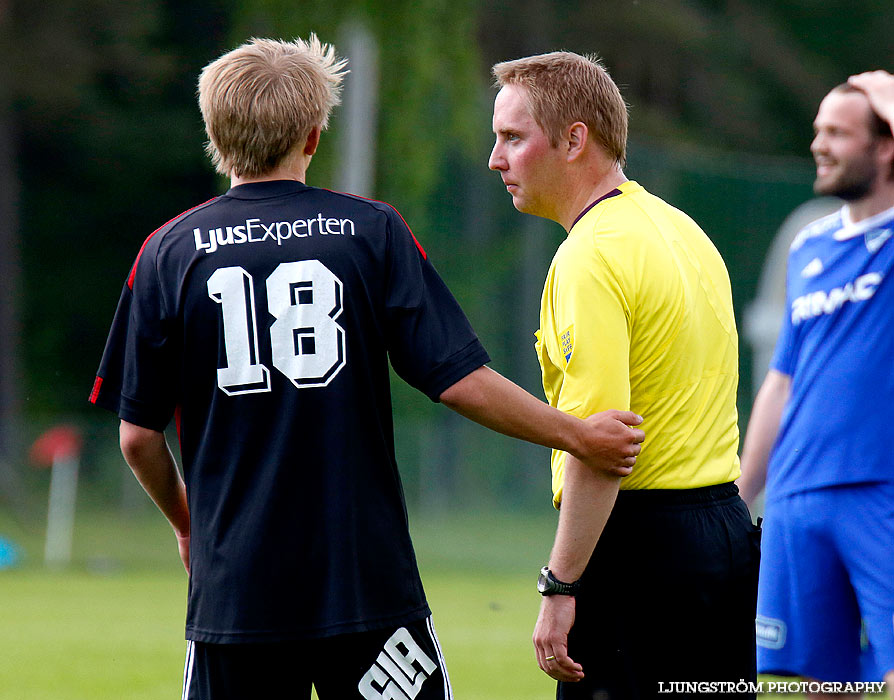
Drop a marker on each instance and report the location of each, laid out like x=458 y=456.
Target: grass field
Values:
x=111 y=626
x=80 y=636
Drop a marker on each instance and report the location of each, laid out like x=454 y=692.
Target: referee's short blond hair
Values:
x=262 y=100
x=565 y=87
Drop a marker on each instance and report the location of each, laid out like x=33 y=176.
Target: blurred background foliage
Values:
x=101 y=142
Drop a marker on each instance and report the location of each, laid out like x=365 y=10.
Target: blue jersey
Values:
x=837 y=345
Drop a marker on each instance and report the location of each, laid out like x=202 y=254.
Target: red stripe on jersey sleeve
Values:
x=133 y=270
x=418 y=245
x=177 y=422
x=97 y=385
x=377 y=201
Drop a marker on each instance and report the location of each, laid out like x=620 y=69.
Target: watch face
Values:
x=547 y=584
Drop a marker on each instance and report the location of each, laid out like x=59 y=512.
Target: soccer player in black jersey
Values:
x=263 y=322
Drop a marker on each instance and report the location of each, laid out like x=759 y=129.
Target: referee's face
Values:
x=522 y=154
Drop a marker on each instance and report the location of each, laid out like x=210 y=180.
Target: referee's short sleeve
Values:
x=589 y=337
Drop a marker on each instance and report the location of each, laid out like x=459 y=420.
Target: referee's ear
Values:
x=576 y=140
x=313 y=140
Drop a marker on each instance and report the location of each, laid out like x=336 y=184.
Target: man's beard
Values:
x=853 y=183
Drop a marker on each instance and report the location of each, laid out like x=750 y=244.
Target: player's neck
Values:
x=292 y=167
x=278 y=174
x=879 y=200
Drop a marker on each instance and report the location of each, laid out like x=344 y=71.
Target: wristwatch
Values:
x=548 y=584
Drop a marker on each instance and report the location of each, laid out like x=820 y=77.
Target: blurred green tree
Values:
x=109 y=147
x=104 y=144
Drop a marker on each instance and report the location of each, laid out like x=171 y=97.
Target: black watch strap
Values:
x=548 y=584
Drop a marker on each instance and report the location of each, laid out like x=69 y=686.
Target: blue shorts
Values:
x=826 y=593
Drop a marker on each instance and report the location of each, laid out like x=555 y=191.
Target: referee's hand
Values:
x=610 y=443
x=551 y=638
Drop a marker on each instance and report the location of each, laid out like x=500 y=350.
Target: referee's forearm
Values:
x=588 y=498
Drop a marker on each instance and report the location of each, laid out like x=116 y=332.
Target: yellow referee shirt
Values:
x=637 y=313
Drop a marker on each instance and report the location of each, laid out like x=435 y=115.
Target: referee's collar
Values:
x=265 y=189
x=614 y=193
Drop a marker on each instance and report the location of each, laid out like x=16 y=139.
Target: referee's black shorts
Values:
x=668 y=598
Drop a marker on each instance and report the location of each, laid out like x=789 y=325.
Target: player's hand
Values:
x=610 y=443
x=878 y=85
x=551 y=638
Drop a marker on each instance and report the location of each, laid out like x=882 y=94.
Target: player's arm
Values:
x=763 y=426
x=604 y=441
x=879 y=88
x=428 y=334
x=146 y=452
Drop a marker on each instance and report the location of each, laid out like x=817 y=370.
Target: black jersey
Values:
x=263 y=320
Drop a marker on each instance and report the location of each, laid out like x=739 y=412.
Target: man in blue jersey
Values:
x=263 y=320
x=820 y=433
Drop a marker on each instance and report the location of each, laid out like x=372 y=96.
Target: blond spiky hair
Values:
x=261 y=100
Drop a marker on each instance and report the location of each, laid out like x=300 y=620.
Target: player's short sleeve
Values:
x=138 y=371
x=431 y=343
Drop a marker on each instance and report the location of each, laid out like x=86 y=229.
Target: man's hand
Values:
x=551 y=638
x=609 y=443
x=878 y=85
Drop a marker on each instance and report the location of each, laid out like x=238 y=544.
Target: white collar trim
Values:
x=849 y=229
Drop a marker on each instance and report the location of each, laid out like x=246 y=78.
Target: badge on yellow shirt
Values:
x=566 y=343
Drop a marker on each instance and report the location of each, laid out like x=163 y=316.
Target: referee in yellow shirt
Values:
x=652 y=579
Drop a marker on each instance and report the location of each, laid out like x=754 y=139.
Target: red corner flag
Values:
x=61 y=442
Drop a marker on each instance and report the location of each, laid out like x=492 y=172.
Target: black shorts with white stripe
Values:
x=400 y=664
